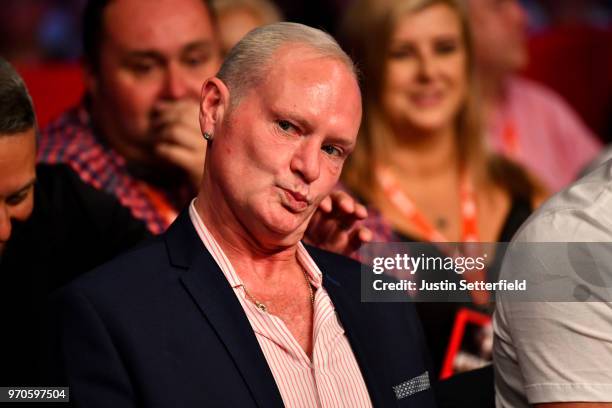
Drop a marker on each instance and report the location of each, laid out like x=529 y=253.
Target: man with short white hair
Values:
x=228 y=308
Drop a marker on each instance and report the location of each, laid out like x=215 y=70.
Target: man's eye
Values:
x=141 y=68
x=332 y=150
x=196 y=60
x=17 y=198
x=285 y=125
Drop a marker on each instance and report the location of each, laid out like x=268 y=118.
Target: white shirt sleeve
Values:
x=555 y=351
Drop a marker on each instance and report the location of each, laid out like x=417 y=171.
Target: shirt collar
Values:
x=310 y=267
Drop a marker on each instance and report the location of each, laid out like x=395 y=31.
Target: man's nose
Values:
x=306 y=161
x=176 y=84
x=5 y=224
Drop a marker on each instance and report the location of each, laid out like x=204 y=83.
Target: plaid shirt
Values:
x=70 y=139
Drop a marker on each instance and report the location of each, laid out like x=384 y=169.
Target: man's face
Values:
x=153 y=54
x=234 y=24
x=281 y=149
x=17 y=176
x=499 y=28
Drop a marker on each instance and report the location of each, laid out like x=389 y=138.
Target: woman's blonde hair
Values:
x=366 y=34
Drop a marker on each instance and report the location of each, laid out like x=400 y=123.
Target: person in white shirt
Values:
x=559 y=353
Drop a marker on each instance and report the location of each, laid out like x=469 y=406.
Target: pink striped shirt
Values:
x=332 y=378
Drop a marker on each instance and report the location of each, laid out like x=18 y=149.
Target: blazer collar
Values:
x=182 y=241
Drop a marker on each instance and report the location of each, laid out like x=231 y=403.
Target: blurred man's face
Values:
x=234 y=24
x=153 y=54
x=281 y=149
x=499 y=28
x=17 y=176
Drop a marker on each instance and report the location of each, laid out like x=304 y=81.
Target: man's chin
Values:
x=290 y=227
x=286 y=230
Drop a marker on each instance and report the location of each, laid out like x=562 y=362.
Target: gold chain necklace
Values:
x=263 y=307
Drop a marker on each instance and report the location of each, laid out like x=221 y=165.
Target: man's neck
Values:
x=106 y=130
x=246 y=253
x=492 y=91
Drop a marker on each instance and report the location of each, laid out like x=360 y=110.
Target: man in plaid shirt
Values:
x=136 y=135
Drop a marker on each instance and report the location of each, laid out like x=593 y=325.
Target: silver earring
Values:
x=208 y=136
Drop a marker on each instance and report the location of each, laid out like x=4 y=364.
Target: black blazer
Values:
x=73 y=228
x=161 y=327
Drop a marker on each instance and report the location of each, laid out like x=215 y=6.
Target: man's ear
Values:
x=214 y=104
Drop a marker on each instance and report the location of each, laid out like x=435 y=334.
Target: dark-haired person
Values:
x=135 y=135
x=53 y=227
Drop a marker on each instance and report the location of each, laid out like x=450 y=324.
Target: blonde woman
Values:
x=421 y=160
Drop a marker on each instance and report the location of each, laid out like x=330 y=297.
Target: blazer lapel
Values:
x=358 y=334
x=206 y=284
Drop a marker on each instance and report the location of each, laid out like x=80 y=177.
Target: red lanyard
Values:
x=469 y=220
x=511 y=144
x=403 y=203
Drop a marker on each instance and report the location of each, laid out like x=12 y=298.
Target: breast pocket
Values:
x=415 y=392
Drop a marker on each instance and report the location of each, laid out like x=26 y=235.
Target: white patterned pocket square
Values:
x=412 y=386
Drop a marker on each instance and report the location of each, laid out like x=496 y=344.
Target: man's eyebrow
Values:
x=307 y=126
x=294 y=117
x=200 y=45
x=145 y=54
x=299 y=120
x=341 y=141
x=206 y=45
